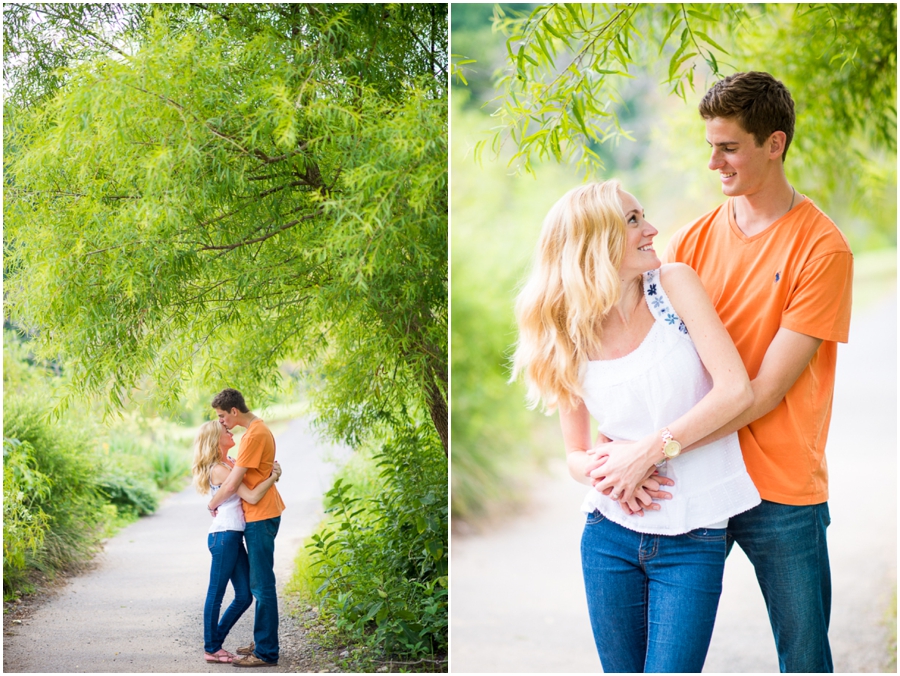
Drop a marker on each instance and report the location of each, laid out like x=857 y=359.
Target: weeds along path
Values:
x=141 y=608
x=518 y=598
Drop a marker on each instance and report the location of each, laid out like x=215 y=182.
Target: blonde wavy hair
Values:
x=206 y=454
x=574 y=283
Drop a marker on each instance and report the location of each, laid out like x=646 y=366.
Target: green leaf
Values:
x=708 y=40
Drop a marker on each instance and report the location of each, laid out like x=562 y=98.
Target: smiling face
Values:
x=744 y=167
x=639 y=253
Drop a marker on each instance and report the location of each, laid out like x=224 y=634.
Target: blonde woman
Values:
x=226 y=537
x=606 y=331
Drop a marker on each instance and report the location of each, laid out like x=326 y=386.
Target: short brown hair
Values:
x=760 y=104
x=228 y=399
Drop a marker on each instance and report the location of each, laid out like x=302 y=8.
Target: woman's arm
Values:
x=626 y=464
x=254 y=495
x=580 y=458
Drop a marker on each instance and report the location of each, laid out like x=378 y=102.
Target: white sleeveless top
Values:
x=230 y=514
x=647 y=390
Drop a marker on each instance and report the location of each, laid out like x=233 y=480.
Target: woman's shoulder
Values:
x=683 y=288
x=218 y=473
x=671 y=274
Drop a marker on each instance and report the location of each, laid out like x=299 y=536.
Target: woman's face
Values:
x=639 y=253
x=226 y=440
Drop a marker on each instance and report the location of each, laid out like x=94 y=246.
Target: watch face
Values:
x=672 y=448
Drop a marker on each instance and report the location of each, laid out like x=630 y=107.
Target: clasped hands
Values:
x=276 y=472
x=625 y=471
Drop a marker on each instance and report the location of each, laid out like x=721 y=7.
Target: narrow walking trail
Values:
x=141 y=608
x=517 y=596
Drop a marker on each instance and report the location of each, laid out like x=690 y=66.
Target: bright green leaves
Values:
x=565 y=62
x=221 y=201
x=399 y=598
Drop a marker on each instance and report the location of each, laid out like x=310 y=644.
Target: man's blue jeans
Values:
x=652 y=598
x=229 y=562
x=260 y=536
x=786 y=544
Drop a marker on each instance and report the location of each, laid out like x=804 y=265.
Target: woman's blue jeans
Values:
x=652 y=598
x=229 y=562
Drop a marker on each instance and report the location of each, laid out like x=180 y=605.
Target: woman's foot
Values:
x=222 y=656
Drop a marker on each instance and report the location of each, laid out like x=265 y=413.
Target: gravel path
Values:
x=141 y=608
x=517 y=597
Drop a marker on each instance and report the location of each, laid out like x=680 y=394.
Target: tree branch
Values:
x=286 y=226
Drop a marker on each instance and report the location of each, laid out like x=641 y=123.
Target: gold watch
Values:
x=670 y=448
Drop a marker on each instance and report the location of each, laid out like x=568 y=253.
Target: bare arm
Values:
x=254 y=495
x=788 y=354
x=731 y=394
x=576 y=429
x=229 y=487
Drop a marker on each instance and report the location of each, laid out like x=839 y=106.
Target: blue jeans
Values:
x=652 y=598
x=786 y=545
x=260 y=537
x=229 y=562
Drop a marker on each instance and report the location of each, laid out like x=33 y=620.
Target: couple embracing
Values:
x=711 y=380
x=244 y=505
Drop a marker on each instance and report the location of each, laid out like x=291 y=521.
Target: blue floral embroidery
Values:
x=651 y=290
x=657 y=302
x=682 y=327
x=670 y=318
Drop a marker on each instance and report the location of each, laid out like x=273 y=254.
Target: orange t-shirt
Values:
x=796 y=274
x=257 y=453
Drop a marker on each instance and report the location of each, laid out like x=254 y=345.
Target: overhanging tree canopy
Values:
x=218 y=188
x=558 y=95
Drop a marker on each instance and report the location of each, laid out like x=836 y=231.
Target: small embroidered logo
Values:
x=777 y=276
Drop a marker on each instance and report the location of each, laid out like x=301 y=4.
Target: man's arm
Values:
x=229 y=487
x=788 y=355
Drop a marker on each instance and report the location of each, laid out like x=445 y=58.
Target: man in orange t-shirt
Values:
x=779 y=273
x=253 y=465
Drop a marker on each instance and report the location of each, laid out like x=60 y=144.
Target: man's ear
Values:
x=776 y=143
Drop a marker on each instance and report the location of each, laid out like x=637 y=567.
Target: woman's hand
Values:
x=623 y=466
x=647 y=492
x=276 y=471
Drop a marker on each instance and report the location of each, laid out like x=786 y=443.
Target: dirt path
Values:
x=141 y=608
x=517 y=597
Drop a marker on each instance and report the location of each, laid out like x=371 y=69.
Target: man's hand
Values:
x=647 y=492
x=623 y=465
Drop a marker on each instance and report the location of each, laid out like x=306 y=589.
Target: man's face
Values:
x=227 y=418
x=743 y=167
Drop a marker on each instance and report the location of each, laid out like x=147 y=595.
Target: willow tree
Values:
x=200 y=192
x=559 y=93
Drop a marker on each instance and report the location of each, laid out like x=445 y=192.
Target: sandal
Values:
x=220 y=657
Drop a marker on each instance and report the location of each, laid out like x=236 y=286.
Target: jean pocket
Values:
x=708 y=534
x=594 y=518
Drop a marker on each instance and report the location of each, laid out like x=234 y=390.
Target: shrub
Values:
x=169 y=467
x=131 y=497
x=24 y=522
x=70 y=499
x=382 y=559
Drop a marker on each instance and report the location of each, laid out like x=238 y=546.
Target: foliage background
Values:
x=255 y=196
x=846 y=127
